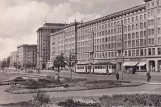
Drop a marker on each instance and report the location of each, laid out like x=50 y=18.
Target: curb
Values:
x=152 y=83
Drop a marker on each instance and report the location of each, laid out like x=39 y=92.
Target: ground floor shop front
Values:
x=139 y=65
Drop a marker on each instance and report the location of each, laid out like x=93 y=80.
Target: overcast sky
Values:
x=20 y=19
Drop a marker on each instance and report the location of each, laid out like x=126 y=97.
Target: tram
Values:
x=96 y=68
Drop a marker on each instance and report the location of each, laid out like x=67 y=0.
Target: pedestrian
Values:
x=148 y=76
x=117 y=76
x=38 y=71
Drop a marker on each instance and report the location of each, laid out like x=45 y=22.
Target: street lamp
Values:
x=91 y=59
x=121 y=51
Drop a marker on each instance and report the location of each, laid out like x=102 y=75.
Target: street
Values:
x=140 y=77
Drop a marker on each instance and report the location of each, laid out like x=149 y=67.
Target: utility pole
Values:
x=122 y=48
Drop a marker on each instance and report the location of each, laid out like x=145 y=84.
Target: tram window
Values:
x=80 y=67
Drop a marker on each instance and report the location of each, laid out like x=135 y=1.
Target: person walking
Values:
x=117 y=76
x=148 y=76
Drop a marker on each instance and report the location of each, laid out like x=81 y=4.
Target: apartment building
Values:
x=13 y=58
x=43 y=43
x=135 y=31
x=27 y=55
x=64 y=41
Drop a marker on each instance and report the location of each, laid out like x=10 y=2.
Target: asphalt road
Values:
x=147 y=88
x=138 y=77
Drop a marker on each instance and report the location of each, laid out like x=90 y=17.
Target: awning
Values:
x=130 y=63
x=141 y=63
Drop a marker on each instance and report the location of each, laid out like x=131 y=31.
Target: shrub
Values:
x=71 y=103
x=32 y=84
x=40 y=99
x=131 y=100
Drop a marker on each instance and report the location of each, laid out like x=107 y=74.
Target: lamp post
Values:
x=91 y=59
x=122 y=48
x=121 y=51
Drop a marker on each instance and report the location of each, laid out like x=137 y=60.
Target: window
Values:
x=159 y=40
x=129 y=36
x=133 y=35
x=144 y=16
x=125 y=37
x=159 y=51
x=129 y=43
x=137 y=42
x=144 y=33
x=144 y=52
x=141 y=34
x=149 y=41
x=133 y=27
x=125 y=21
x=133 y=43
x=129 y=28
x=125 y=53
x=125 y=44
x=128 y=20
x=153 y=51
x=137 y=34
x=141 y=52
x=133 y=52
x=141 y=17
x=144 y=24
x=137 y=26
x=159 y=31
x=136 y=18
x=141 y=25
x=132 y=19
x=149 y=51
x=152 y=41
x=137 y=52
x=141 y=42
x=129 y=52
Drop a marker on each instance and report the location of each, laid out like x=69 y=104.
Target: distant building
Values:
x=13 y=58
x=63 y=41
x=27 y=55
x=43 y=43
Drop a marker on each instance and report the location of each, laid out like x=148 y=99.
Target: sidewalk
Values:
x=152 y=73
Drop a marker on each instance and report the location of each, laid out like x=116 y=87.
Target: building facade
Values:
x=27 y=55
x=13 y=58
x=135 y=32
x=43 y=43
x=131 y=37
x=64 y=41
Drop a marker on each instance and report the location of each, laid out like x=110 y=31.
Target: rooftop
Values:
x=26 y=45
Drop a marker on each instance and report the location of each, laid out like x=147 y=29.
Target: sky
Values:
x=20 y=19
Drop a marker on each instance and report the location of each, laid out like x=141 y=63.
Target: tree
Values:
x=59 y=62
x=8 y=61
x=4 y=64
x=71 y=62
